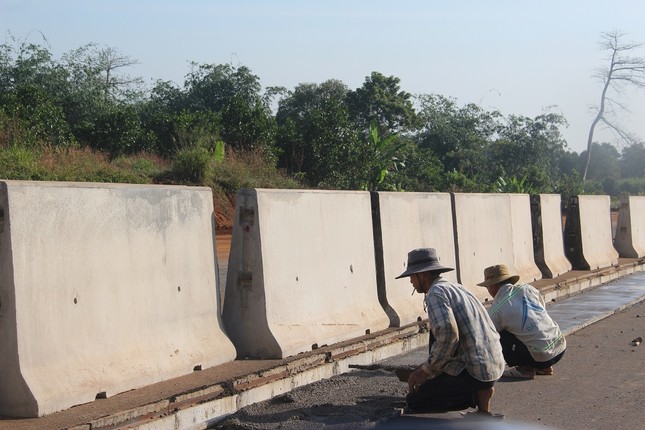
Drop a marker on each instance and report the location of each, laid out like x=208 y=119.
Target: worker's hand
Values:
x=416 y=378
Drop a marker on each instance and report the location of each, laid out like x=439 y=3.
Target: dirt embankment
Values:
x=224 y=212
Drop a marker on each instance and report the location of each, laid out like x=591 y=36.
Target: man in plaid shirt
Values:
x=465 y=357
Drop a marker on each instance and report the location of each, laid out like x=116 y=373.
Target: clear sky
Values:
x=518 y=56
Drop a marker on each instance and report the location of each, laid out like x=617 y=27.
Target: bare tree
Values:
x=623 y=71
x=100 y=68
x=109 y=60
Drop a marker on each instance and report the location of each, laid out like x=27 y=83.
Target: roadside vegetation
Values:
x=81 y=117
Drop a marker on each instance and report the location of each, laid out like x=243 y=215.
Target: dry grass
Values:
x=237 y=170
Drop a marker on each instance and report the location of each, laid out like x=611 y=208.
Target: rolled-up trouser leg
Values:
x=446 y=393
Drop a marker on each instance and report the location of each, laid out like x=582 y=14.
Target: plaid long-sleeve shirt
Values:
x=465 y=336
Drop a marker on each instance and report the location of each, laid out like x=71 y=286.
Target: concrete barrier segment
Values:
x=493 y=229
x=588 y=233
x=629 y=240
x=522 y=233
x=548 y=238
x=104 y=288
x=301 y=272
x=407 y=221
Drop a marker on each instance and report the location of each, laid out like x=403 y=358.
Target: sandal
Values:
x=478 y=415
x=547 y=371
x=517 y=373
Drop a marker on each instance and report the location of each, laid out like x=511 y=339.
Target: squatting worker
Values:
x=466 y=356
x=531 y=341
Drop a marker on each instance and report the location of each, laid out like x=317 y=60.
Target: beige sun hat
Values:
x=496 y=274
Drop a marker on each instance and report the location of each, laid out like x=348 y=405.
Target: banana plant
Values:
x=513 y=185
x=385 y=160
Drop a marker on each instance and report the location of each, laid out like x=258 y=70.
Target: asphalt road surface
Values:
x=599 y=384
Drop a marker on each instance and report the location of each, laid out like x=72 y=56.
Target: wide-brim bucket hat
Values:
x=423 y=260
x=496 y=274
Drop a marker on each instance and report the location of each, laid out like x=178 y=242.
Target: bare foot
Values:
x=483 y=399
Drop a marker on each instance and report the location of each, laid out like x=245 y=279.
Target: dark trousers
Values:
x=446 y=393
x=517 y=354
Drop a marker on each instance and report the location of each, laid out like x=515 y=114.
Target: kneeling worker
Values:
x=466 y=356
x=532 y=342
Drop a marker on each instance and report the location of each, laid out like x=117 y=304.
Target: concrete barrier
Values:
x=301 y=272
x=408 y=221
x=493 y=229
x=548 y=238
x=103 y=288
x=630 y=229
x=587 y=233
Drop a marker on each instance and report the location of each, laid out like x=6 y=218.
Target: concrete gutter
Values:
x=577 y=281
x=204 y=406
x=207 y=397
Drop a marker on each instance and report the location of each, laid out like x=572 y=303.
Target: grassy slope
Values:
x=238 y=170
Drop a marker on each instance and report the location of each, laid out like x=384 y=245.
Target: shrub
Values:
x=250 y=169
x=144 y=165
x=20 y=163
x=191 y=165
x=14 y=131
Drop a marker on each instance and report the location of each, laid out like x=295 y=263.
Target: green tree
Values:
x=381 y=99
x=457 y=136
x=570 y=184
x=529 y=148
x=569 y=162
x=604 y=164
x=316 y=138
x=221 y=103
x=118 y=130
x=102 y=105
x=234 y=93
x=32 y=86
x=419 y=170
x=158 y=115
x=632 y=161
